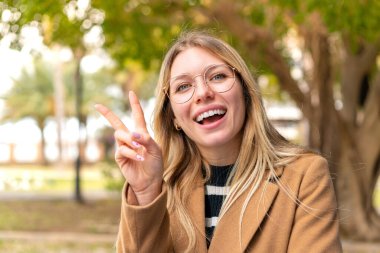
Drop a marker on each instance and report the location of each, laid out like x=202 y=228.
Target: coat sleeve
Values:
x=316 y=225
x=144 y=229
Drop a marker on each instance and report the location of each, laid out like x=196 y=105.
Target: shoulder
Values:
x=308 y=163
x=310 y=180
x=307 y=167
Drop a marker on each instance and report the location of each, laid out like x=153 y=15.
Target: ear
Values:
x=176 y=124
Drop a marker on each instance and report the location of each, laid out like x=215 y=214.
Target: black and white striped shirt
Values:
x=215 y=193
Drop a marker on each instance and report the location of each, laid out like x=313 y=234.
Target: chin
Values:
x=216 y=142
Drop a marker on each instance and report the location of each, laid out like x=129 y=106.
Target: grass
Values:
x=59 y=217
x=100 y=216
x=49 y=247
x=96 y=217
x=40 y=179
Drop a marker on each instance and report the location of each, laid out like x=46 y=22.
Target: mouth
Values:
x=210 y=116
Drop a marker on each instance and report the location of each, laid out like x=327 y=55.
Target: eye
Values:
x=218 y=77
x=182 y=87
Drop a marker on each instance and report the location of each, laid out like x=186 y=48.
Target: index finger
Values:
x=111 y=117
x=137 y=112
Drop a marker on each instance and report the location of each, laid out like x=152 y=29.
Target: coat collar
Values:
x=226 y=235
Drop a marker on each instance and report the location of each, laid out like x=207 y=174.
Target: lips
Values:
x=210 y=116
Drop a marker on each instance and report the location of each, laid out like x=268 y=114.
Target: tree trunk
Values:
x=360 y=169
x=59 y=107
x=79 y=53
x=41 y=153
x=12 y=159
x=349 y=138
x=84 y=142
x=321 y=119
x=357 y=221
x=127 y=86
x=354 y=149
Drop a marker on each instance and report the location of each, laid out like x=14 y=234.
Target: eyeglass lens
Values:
x=219 y=78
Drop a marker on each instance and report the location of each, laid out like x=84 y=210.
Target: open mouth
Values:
x=210 y=116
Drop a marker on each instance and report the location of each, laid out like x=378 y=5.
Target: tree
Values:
x=62 y=23
x=338 y=91
x=32 y=95
x=349 y=135
x=95 y=86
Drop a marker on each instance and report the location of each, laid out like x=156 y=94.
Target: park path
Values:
x=361 y=247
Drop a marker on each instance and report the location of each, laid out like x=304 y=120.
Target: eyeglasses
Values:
x=219 y=78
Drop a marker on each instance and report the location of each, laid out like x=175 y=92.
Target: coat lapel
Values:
x=195 y=205
x=197 y=212
x=226 y=235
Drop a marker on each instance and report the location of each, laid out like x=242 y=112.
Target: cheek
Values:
x=242 y=116
x=237 y=96
x=174 y=109
x=180 y=111
x=240 y=104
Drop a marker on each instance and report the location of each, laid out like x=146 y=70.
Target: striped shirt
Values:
x=215 y=193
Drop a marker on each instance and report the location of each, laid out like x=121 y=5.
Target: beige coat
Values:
x=272 y=223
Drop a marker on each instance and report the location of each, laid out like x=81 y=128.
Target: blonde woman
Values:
x=218 y=177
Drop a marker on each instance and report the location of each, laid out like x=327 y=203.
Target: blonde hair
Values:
x=262 y=146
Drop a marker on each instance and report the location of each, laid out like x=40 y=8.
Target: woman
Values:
x=219 y=177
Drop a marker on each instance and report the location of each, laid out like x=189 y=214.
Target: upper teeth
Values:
x=209 y=114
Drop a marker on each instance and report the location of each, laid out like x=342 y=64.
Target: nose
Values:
x=202 y=90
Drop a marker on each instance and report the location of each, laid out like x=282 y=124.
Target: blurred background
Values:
x=316 y=61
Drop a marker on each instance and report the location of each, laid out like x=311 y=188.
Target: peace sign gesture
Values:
x=138 y=156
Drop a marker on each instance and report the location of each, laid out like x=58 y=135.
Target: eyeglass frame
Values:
x=166 y=89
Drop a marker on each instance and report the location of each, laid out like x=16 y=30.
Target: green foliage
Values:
x=357 y=19
x=270 y=88
x=95 y=86
x=32 y=94
x=136 y=30
x=140 y=31
x=60 y=21
x=114 y=179
x=111 y=174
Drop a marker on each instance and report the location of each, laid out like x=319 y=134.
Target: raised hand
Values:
x=138 y=156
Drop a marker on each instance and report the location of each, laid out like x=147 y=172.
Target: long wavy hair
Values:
x=262 y=147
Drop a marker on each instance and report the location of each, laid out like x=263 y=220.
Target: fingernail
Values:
x=140 y=158
x=136 y=135
x=96 y=106
x=136 y=144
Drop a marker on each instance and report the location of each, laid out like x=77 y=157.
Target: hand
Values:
x=138 y=156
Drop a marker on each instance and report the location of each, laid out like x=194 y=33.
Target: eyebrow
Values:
x=202 y=72
x=181 y=75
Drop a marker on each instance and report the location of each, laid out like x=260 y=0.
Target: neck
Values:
x=221 y=155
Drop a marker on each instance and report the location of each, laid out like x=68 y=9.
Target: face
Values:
x=218 y=132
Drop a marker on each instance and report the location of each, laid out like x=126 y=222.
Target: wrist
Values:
x=131 y=197
x=148 y=195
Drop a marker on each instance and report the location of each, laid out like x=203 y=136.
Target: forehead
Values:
x=193 y=60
